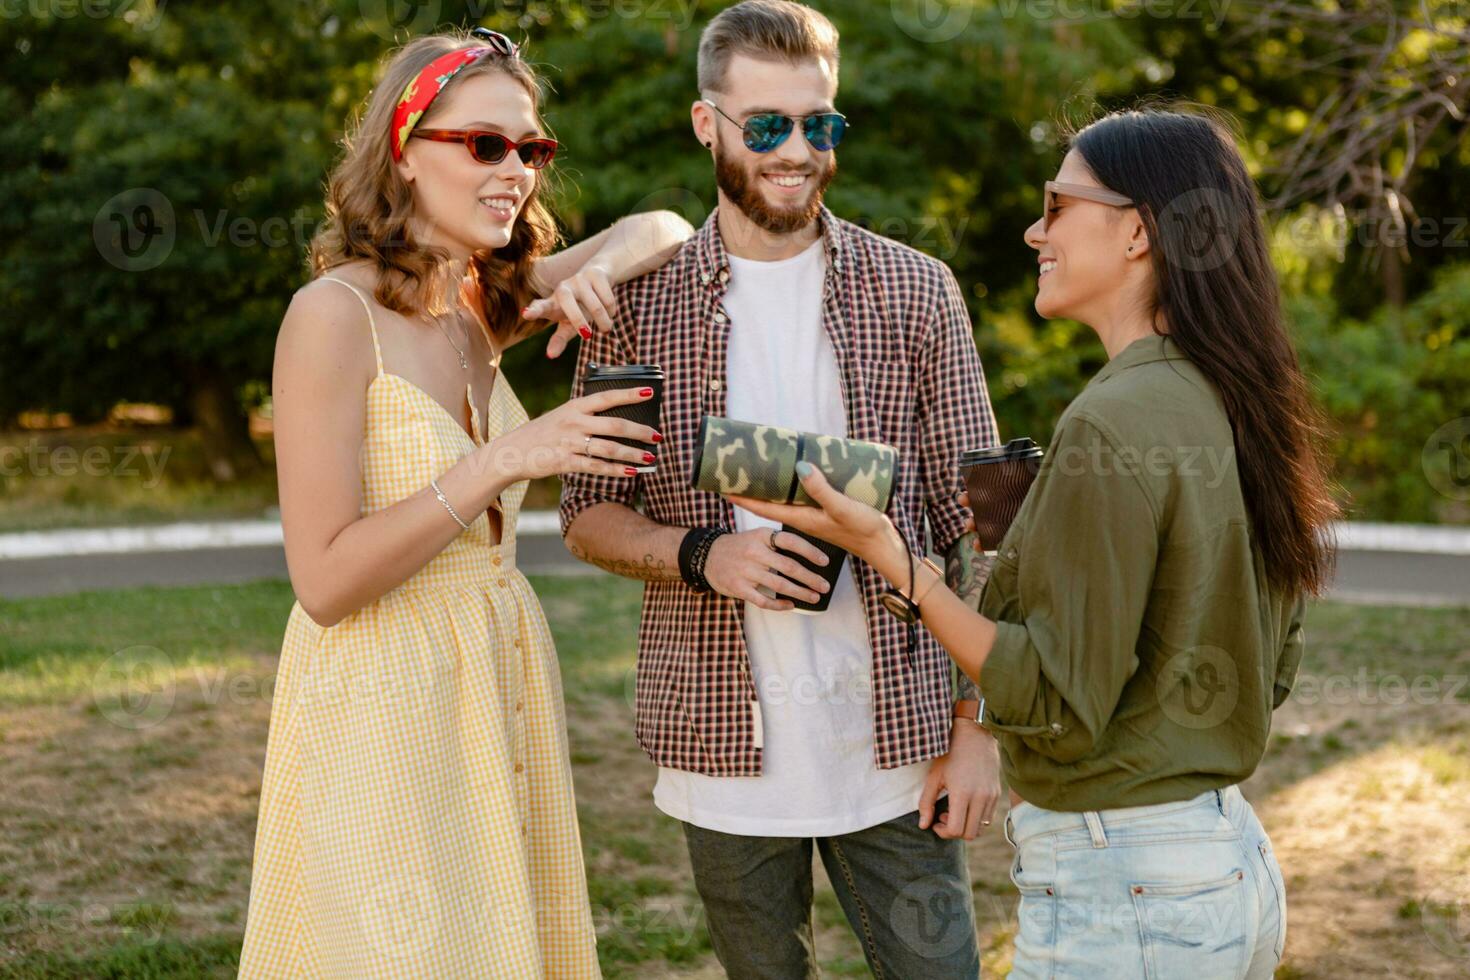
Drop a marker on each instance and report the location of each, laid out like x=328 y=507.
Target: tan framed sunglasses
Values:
x=1099 y=195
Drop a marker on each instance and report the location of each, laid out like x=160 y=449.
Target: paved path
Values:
x=1390 y=564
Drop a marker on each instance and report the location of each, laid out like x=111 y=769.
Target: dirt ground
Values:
x=118 y=834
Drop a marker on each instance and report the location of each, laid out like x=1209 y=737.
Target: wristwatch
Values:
x=971 y=711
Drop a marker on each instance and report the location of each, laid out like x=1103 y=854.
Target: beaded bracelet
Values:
x=445 y=501
x=694 y=552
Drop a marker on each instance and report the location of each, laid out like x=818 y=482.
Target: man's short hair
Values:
x=767 y=29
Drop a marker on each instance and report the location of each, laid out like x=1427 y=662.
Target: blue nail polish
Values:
x=804 y=469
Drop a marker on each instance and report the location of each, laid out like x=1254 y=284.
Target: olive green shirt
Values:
x=1139 y=652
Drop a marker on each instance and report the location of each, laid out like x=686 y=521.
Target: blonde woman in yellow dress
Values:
x=417 y=816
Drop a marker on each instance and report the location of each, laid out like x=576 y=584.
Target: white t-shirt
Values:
x=812 y=673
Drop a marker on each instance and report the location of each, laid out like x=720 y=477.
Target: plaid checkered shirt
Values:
x=911 y=378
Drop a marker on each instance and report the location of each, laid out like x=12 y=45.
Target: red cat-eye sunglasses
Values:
x=488 y=147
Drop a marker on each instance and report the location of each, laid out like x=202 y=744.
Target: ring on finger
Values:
x=587 y=447
x=772 y=539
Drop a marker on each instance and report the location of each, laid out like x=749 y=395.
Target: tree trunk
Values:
x=224 y=430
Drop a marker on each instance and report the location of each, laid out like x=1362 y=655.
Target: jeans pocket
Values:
x=1273 y=874
x=1036 y=923
x=1192 y=929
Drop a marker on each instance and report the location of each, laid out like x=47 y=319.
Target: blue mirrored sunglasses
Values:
x=765 y=131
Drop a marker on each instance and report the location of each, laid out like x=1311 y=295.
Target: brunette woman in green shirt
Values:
x=1142 y=618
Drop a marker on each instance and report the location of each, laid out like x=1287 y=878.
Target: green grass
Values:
x=595 y=622
x=51 y=647
x=59 y=648
x=1448 y=763
x=162 y=913
x=99 y=476
x=212 y=956
x=99 y=651
x=1387 y=641
x=87 y=477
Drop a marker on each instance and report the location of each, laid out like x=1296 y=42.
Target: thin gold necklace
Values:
x=463 y=361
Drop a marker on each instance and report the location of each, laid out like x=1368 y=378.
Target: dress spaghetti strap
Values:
x=377 y=351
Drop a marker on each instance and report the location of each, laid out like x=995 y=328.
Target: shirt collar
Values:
x=1144 y=350
x=714 y=264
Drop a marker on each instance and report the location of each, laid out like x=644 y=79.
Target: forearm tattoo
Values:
x=649 y=569
x=965 y=570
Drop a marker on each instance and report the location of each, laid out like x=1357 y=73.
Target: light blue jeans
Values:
x=1187 y=890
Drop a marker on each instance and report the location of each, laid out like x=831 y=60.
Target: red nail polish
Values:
x=525 y=310
x=657 y=438
x=646 y=392
x=629 y=471
x=585 y=331
x=649 y=457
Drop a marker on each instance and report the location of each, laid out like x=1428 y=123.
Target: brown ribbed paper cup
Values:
x=997 y=479
x=601 y=377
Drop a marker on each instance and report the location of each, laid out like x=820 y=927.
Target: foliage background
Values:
x=161 y=170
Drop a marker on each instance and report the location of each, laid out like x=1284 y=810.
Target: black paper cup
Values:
x=829 y=572
x=600 y=377
x=998 y=479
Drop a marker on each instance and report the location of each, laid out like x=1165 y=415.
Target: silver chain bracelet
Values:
x=445 y=501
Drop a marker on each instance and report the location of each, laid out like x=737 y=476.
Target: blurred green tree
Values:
x=162 y=168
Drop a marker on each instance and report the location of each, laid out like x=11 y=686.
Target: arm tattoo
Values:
x=649 y=569
x=965 y=570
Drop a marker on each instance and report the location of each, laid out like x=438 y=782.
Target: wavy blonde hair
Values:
x=369 y=205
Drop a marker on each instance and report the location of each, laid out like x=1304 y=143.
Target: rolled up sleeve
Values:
x=1290 y=660
x=1086 y=566
x=954 y=412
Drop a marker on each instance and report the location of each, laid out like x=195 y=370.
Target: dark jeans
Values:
x=906 y=893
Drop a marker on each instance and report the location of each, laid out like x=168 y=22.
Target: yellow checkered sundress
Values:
x=416 y=813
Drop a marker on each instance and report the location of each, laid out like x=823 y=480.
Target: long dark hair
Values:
x=1217 y=296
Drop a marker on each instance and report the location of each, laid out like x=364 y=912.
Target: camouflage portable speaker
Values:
x=759 y=461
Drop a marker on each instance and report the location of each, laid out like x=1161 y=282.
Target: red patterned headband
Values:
x=429 y=82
